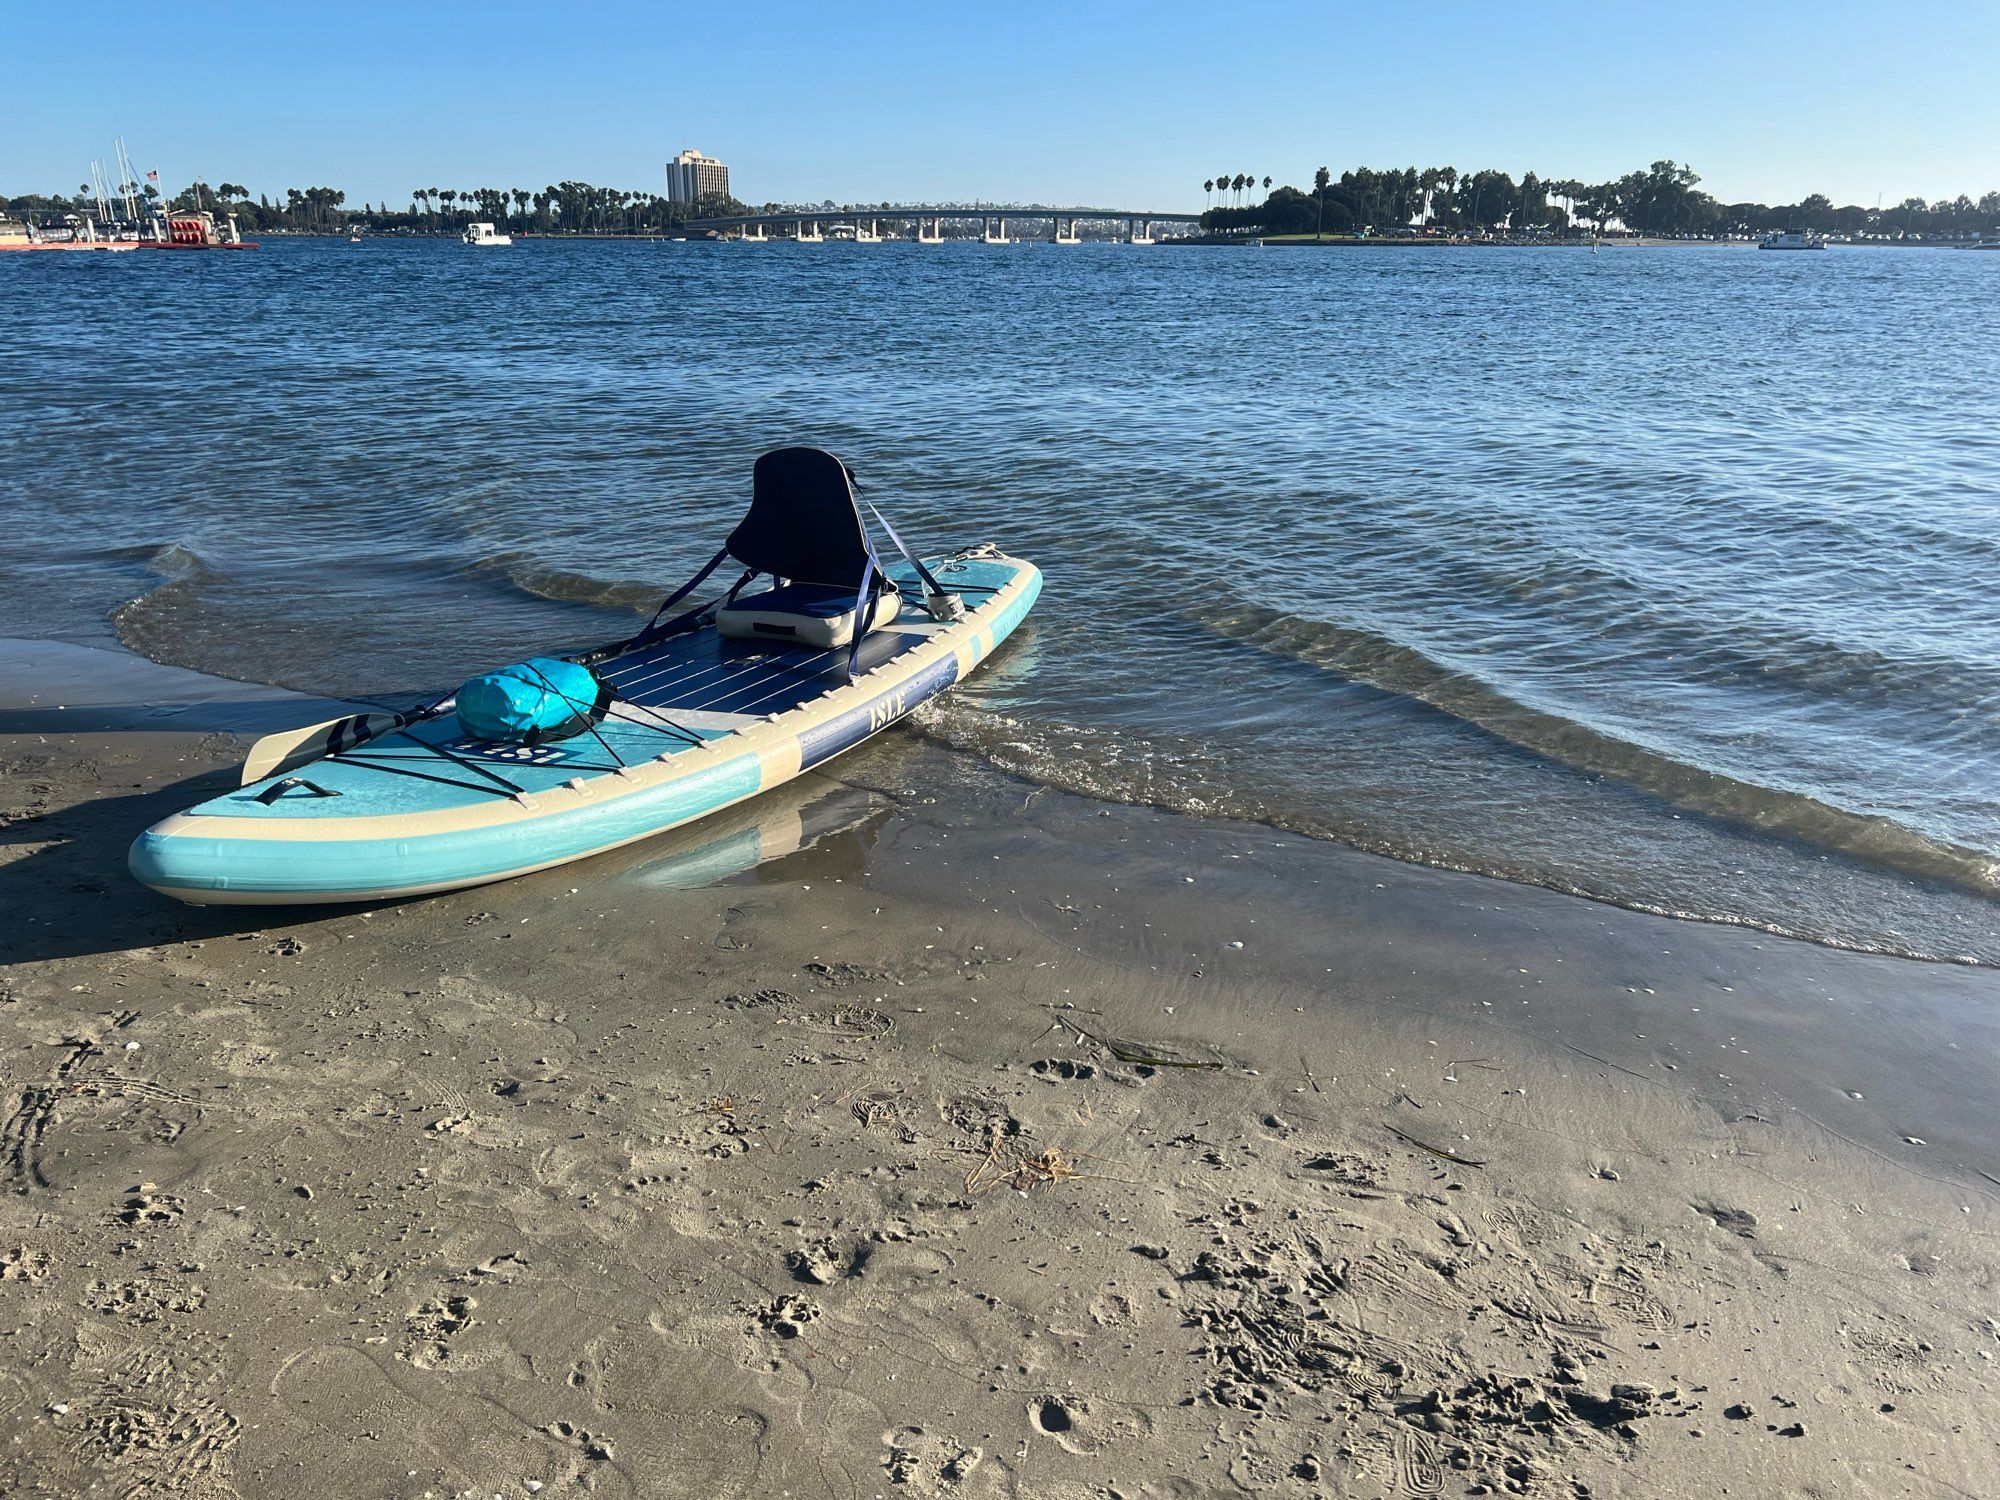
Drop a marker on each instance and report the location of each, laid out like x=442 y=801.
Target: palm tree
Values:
x=1267 y=184
x=1321 y=180
x=1237 y=183
x=1427 y=182
x=1206 y=188
x=1569 y=190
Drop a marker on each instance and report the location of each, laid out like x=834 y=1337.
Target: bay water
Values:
x=1663 y=576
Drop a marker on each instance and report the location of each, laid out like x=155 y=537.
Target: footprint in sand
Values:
x=431 y=1328
x=593 y=1448
x=153 y=1425
x=928 y=1463
x=823 y=1262
x=25 y=1263
x=786 y=1316
x=1084 y=1425
x=149 y=1209
x=1417 y=1472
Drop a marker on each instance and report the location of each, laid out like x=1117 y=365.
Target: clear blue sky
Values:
x=1125 y=104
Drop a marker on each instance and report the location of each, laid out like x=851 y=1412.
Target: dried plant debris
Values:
x=1137 y=1054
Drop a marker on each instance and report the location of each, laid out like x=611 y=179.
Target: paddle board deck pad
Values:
x=700 y=722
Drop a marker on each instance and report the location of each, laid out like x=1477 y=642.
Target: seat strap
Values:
x=864 y=610
x=910 y=557
x=659 y=631
x=682 y=592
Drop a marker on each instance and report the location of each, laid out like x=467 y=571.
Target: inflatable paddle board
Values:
x=386 y=806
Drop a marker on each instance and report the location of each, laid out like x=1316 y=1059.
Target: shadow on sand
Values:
x=73 y=897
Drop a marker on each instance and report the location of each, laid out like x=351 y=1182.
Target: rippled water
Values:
x=1663 y=576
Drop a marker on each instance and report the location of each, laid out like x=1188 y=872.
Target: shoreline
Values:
x=914 y=1130
x=126 y=662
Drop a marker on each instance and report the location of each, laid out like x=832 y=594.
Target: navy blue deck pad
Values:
x=824 y=741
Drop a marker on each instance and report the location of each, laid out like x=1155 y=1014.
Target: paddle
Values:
x=291 y=748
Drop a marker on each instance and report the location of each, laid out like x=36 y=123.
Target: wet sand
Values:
x=915 y=1132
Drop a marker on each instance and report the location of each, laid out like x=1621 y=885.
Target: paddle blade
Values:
x=291 y=748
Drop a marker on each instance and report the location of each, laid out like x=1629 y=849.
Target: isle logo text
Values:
x=885 y=712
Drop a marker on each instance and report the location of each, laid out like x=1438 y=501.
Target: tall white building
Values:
x=692 y=177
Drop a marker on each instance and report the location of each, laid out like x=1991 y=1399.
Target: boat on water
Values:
x=485 y=234
x=555 y=759
x=198 y=231
x=76 y=233
x=1793 y=239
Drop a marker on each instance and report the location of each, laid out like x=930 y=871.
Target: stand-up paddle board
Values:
x=693 y=714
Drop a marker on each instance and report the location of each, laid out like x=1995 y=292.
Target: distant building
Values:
x=691 y=177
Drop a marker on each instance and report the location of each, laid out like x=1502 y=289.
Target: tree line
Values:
x=1664 y=199
x=560 y=208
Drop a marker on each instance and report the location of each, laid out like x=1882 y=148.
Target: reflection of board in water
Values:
x=795 y=818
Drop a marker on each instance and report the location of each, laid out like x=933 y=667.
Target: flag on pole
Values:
x=152 y=177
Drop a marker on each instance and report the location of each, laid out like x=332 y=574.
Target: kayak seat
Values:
x=803 y=614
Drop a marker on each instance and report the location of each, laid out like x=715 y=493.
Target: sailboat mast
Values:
x=128 y=182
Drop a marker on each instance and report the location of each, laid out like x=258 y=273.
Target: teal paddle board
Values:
x=699 y=722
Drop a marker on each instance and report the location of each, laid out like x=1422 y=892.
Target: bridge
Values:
x=809 y=225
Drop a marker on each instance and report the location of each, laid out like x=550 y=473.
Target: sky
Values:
x=1116 y=105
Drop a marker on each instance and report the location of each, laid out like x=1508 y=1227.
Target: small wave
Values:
x=1401 y=669
x=144 y=622
x=173 y=561
x=1116 y=766
x=563 y=586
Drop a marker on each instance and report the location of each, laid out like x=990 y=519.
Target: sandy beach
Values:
x=914 y=1131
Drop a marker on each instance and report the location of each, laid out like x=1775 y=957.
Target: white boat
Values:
x=1793 y=239
x=484 y=234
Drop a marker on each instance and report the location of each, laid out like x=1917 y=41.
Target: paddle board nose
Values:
x=182 y=865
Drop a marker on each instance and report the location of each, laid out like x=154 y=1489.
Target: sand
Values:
x=913 y=1132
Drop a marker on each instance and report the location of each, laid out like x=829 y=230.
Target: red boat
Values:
x=198 y=232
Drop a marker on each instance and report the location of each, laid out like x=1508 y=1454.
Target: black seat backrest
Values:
x=803 y=523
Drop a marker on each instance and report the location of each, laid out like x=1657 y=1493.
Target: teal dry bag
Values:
x=533 y=701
